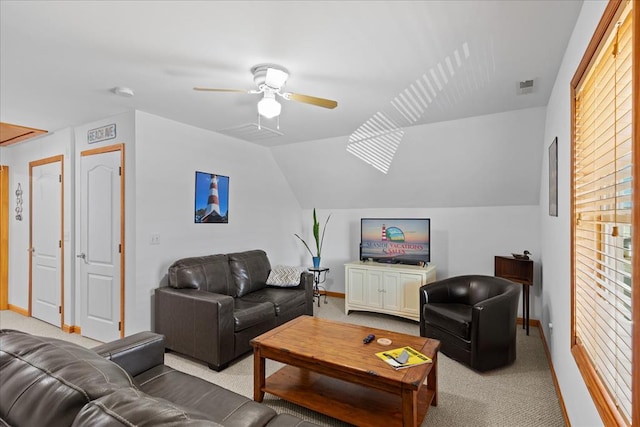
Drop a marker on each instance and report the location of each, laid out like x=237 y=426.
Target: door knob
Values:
x=83 y=256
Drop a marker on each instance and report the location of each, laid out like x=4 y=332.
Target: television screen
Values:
x=396 y=240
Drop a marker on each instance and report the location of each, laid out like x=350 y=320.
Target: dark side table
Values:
x=319 y=276
x=519 y=271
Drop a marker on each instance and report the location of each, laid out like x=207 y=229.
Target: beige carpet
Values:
x=522 y=394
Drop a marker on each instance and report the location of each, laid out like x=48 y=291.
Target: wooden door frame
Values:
x=4 y=237
x=102 y=150
x=36 y=163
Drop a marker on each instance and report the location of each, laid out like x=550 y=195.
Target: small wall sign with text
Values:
x=101 y=134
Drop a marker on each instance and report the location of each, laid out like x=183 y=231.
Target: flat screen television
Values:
x=396 y=240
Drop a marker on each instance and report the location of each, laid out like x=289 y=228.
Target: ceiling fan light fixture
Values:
x=270 y=80
x=268 y=106
x=276 y=78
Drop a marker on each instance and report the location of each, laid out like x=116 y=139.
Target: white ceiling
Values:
x=59 y=60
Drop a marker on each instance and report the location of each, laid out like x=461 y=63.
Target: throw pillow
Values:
x=285 y=276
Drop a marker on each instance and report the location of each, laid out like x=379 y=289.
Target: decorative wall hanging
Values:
x=101 y=134
x=553 y=178
x=212 y=198
x=19 y=203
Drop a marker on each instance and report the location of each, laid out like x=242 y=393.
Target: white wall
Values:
x=464 y=240
x=491 y=160
x=556 y=231
x=476 y=178
x=161 y=157
x=263 y=212
x=17 y=157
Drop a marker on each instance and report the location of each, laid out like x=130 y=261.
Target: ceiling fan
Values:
x=270 y=79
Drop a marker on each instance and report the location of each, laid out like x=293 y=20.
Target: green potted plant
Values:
x=319 y=239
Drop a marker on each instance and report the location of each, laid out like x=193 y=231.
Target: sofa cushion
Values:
x=50 y=380
x=454 y=318
x=209 y=273
x=230 y=409
x=250 y=271
x=131 y=407
x=282 y=300
x=285 y=276
x=249 y=313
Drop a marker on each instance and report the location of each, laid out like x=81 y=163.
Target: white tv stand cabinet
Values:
x=385 y=288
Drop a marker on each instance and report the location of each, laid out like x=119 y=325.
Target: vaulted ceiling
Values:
x=413 y=62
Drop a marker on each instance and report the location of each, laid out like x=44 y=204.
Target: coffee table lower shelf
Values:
x=349 y=402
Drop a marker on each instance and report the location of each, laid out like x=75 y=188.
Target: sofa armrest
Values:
x=435 y=291
x=306 y=282
x=196 y=323
x=494 y=320
x=136 y=353
x=503 y=305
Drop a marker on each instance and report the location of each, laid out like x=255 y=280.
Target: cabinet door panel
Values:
x=392 y=292
x=374 y=289
x=356 y=292
x=411 y=298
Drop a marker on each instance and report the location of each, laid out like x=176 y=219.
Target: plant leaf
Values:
x=316 y=231
x=305 y=244
x=323 y=230
x=316 y=234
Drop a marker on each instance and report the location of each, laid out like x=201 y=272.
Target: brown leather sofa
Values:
x=50 y=382
x=474 y=317
x=215 y=305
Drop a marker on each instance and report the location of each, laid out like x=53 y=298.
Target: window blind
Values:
x=602 y=206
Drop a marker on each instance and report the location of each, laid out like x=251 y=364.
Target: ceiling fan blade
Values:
x=208 y=89
x=320 y=102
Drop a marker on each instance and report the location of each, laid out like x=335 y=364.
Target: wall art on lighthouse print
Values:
x=212 y=198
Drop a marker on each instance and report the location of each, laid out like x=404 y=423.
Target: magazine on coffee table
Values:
x=403 y=357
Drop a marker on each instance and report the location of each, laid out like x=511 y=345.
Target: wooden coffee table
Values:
x=331 y=371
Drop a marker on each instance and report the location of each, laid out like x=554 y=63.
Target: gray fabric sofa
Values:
x=215 y=305
x=50 y=382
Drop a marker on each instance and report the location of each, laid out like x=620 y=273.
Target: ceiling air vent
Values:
x=251 y=132
x=525 y=87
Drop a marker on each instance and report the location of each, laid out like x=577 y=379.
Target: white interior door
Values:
x=99 y=253
x=46 y=242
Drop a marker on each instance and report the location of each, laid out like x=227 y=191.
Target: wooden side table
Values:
x=519 y=271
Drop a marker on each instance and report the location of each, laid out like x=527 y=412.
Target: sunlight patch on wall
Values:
x=376 y=142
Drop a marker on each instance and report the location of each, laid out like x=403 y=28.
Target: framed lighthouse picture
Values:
x=212 y=198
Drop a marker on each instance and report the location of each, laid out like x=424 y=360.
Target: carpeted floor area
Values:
x=520 y=395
